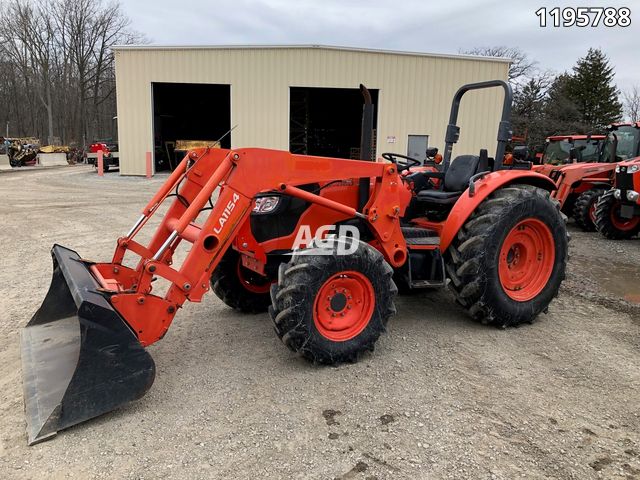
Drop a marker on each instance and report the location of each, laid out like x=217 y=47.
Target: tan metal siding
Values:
x=415 y=93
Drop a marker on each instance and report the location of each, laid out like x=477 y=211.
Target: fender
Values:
x=467 y=204
x=599 y=183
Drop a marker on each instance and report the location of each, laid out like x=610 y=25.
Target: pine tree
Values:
x=528 y=108
x=592 y=90
x=562 y=115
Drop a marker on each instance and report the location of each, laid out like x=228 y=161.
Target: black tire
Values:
x=106 y=166
x=582 y=209
x=472 y=260
x=233 y=291
x=605 y=211
x=300 y=281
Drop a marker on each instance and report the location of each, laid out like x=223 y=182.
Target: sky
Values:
x=410 y=25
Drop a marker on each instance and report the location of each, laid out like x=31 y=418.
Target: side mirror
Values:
x=575 y=155
x=521 y=153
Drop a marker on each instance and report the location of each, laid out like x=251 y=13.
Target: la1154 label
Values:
x=584 y=17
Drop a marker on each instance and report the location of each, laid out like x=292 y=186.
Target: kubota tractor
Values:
x=557 y=149
x=493 y=233
x=618 y=210
x=580 y=184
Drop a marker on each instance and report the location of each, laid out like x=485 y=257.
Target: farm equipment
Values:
x=617 y=214
x=23 y=152
x=557 y=149
x=491 y=232
x=579 y=184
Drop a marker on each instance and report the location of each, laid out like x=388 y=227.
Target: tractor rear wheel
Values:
x=331 y=307
x=609 y=222
x=508 y=260
x=584 y=210
x=239 y=287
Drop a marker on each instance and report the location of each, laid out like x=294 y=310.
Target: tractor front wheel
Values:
x=330 y=306
x=584 y=210
x=508 y=260
x=609 y=222
x=239 y=287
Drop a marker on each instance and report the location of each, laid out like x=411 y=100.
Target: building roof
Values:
x=310 y=47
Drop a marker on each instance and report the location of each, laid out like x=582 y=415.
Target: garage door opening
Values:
x=188 y=112
x=327 y=121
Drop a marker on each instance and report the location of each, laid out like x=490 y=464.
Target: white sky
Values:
x=414 y=25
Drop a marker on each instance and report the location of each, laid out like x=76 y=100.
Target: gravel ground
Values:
x=441 y=397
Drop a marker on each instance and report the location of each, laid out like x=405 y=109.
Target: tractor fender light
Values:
x=632 y=196
x=617 y=194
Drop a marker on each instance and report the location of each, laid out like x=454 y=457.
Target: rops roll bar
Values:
x=504 y=128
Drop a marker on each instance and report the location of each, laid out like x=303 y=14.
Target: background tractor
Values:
x=491 y=232
x=580 y=184
x=557 y=149
x=617 y=214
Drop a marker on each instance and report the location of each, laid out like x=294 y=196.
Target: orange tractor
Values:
x=617 y=214
x=557 y=149
x=492 y=233
x=580 y=183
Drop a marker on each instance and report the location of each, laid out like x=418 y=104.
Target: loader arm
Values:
x=83 y=351
x=238 y=176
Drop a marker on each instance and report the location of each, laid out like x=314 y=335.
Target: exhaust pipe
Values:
x=366 y=142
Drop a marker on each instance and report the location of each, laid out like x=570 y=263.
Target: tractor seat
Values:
x=456 y=180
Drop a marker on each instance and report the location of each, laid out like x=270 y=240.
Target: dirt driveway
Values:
x=441 y=397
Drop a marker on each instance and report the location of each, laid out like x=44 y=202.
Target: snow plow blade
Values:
x=79 y=357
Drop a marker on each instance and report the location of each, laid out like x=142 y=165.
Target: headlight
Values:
x=266 y=204
x=617 y=168
x=617 y=195
x=632 y=196
x=633 y=168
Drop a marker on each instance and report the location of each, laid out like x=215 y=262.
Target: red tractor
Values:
x=490 y=232
x=580 y=184
x=618 y=210
x=557 y=149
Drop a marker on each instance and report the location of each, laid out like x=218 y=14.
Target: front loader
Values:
x=489 y=231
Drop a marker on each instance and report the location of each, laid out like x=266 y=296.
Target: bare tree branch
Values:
x=631 y=103
x=521 y=68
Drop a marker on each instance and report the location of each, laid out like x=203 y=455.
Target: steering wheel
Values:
x=407 y=164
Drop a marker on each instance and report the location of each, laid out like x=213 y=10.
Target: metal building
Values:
x=299 y=98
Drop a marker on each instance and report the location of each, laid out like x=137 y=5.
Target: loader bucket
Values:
x=79 y=357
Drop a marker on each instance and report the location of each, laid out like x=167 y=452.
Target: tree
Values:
x=30 y=40
x=528 y=108
x=592 y=90
x=57 y=67
x=631 y=100
x=521 y=68
x=561 y=113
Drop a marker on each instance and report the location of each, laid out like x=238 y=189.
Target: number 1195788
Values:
x=584 y=17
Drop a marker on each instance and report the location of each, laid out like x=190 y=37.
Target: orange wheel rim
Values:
x=262 y=286
x=621 y=223
x=526 y=259
x=344 y=305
